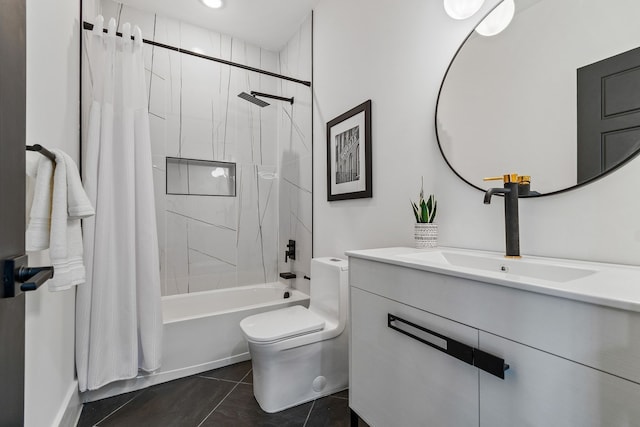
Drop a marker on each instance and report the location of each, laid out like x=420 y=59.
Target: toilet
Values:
x=300 y=354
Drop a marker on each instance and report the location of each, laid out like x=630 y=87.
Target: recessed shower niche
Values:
x=224 y=218
x=195 y=177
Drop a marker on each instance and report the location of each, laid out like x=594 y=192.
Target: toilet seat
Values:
x=280 y=324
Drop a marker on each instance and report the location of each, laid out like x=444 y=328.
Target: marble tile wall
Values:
x=209 y=242
x=295 y=185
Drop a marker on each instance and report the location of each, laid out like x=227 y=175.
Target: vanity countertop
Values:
x=611 y=285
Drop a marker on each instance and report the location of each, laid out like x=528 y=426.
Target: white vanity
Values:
x=432 y=332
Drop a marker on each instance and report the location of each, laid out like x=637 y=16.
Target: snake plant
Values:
x=425 y=210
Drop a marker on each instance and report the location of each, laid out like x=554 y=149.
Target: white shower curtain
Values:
x=118 y=311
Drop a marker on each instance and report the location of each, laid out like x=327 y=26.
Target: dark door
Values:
x=608 y=113
x=12 y=195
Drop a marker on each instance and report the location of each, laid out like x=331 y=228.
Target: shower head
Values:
x=253 y=99
x=261 y=103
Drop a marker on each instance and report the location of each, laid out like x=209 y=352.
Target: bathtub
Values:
x=202 y=332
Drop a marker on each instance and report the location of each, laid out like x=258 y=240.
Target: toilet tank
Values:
x=329 y=287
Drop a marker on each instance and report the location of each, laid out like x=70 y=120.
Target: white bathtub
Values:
x=202 y=332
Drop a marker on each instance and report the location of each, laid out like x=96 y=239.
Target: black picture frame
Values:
x=349 y=173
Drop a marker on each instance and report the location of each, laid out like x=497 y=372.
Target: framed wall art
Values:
x=349 y=154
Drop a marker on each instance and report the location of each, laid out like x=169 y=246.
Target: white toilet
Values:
x=300 y=354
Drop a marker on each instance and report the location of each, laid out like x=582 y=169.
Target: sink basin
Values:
x=613 y=285
x=546 y=269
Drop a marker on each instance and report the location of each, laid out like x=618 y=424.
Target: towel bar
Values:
x=40 y=149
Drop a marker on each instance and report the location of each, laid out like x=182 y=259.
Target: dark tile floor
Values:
x=222 y=397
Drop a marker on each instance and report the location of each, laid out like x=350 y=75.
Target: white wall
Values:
x=52 y=120
x=397 y=59
x=395 y=54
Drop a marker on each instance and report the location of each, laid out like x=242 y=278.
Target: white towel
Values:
x=78 y=203
x=31 y=170
x=69 y=204
x=37 y=235
x=31 y=163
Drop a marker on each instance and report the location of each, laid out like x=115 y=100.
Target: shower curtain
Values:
x=118 y=311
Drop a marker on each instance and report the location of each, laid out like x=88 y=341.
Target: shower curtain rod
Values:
x=88 y=26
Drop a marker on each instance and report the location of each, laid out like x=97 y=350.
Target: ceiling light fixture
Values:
x=462 y=9
x=498 y=19
x=213 y=4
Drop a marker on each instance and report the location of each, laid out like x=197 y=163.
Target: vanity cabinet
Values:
x=541 y=389
x=561 y=372
x=399 y=381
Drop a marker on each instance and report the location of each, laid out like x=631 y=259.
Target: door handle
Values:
x=18 y=278
x=33 y=277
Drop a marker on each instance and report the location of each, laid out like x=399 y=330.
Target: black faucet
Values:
x=512 y=186
x=290 y=253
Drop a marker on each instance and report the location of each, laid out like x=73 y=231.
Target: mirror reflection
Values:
x=556 y=95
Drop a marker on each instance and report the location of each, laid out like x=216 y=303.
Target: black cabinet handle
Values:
x=453 y=348
x=472 y=356
x=489 y=363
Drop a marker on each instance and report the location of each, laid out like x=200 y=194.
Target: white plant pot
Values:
x=426 y=235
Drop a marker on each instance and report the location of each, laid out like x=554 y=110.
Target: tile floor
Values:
x=222 y=397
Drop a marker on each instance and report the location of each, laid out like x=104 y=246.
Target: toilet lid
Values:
x=279 y=324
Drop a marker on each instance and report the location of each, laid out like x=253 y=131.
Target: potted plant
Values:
x=426 y=232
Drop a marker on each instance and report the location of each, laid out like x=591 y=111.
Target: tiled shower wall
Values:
x=212 y=242
x=295 y=151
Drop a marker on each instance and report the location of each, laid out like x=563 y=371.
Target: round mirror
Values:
x=556 y=95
